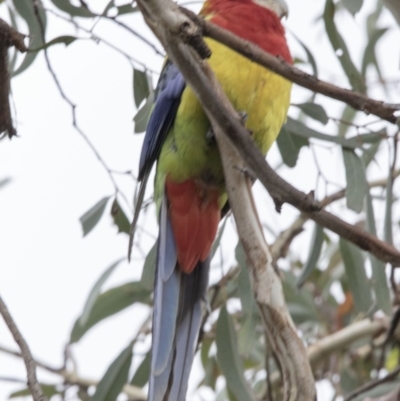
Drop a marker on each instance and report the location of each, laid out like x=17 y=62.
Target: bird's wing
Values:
x=167 y=98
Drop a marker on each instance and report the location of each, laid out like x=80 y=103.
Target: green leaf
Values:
x=127 y=9
x=310 y=57
x=244 y=285
x=228 y=358
x=142 y=116
x=73 y=11
x=141 y=88
x=353 y=6
x=388 y=229
x=141 y=376
x=109 y=303
x=369 y=153
x=149 y=268
x=66 y=39
x=25 y=9
x=289 y=146
x=380 y=284
x=316 y=246
x=300 y=129
x=49 y=390
x=300 y=302
x=247 y=334
x=95 y=293
x=119 y=217
x=347 y=117
x=357 y=185
x=315 y=111
x=93 y=215
x=369 y=57
x=115 y=378
x=341 y=50
x=356 y=276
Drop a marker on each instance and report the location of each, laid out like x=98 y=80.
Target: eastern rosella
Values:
x=189 y=183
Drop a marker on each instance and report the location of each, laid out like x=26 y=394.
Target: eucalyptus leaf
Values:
x=142 y=116
x=90 y=219
x=315 y=111
x=141 y=376
x=217 y=241
x=380 y=283
x=229 y=360
x=37 y=29
x=316 y=246
x=73 y=11
x=357 y=277
x=116 y=376
x=149 y=268
x=289 y=146
x=95 y=293
x=109 y=303
x=353 y=6
x=49 y=390
x=141 y=88
x=357 y=185
x=341 y=49
x=65 y=39
x=119 y=217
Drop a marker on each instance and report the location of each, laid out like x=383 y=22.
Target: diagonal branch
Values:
x=34 y=386
x=354 y=99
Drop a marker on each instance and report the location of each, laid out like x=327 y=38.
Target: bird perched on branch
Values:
x=189 y=184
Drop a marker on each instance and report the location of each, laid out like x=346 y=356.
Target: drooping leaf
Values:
x=353 y=6
x=357 y=185
x=369 y=57
x=310 y=56
x=49 y=390
x=127 y=9
x=315 y=111
x=141 y=376
x=229 y=360
x=73 y=11
x=93 y=215
x=298 y=128
x=115 y=378
x=37 y=29
x=119 y=217
x=289 y=146
x=356 y=275
x=141 y=88
x=142 y=116
x=341 y=50
x=316 y=246
x=244 y=285
x=149 y=268
x=95 y=293
x=380 y=284
x=388 y=229
x=247 y=335
x=109 y=303
x=369 y=153
x=383 y=392
x=66 y=39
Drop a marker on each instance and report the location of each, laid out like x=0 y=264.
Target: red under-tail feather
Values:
x=195 y=213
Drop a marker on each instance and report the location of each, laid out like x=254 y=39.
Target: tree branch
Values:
x=26 y=355
x=8 y=37
x=72 y=378
x=354 y=99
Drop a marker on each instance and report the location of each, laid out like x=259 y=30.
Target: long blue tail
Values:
x=178 y=299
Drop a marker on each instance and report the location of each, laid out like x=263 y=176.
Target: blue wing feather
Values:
x=177 y=318
x=167 y=98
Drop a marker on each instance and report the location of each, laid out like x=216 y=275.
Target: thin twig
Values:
x=34 y=386
x=372 y=384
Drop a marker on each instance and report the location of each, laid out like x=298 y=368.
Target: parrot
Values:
x=189 y=186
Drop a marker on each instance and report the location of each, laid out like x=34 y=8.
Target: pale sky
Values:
x=47 y=268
